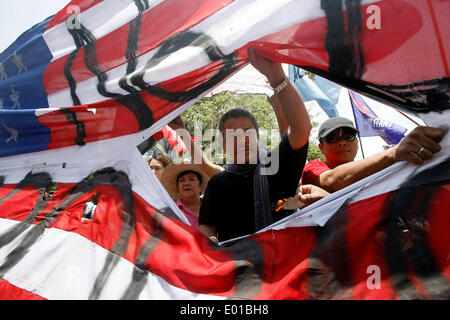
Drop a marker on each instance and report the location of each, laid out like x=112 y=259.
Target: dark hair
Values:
x=159 y=157
x=237 y=113
x=182 y=173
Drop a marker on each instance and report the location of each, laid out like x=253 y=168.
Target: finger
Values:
x=304 y=188
x=426 y=154
x=306 y=198
x=414 y=158
x=434 y=133
x=430 y=144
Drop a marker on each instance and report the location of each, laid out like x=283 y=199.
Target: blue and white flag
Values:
x=325 y=92
x=369 y=124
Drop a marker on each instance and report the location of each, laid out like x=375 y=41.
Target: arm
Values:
x=196 y=153
x=209 y=232
x=283 y=125
x=351 y=172
x=291 y=103
x=309 y=193
x=348 y=173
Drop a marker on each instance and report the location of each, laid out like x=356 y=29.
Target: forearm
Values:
x=198 y=156
x=209 y=232
x=349 y=173
x=291 y=103
x=294 y=111
x=283 y=124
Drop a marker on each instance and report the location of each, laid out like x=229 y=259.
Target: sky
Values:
x=20 y=15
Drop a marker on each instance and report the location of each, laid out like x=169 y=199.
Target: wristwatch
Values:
x=281 y=86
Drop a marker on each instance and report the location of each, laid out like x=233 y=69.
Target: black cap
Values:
x=334 y=123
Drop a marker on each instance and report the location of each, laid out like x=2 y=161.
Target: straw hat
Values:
x=171 y=173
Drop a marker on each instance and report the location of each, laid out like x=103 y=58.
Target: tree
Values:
x=314 y=152
x=206 y=113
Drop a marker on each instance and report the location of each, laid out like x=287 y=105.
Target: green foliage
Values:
x=206 y=113
x=209 y=110
x=314 y=152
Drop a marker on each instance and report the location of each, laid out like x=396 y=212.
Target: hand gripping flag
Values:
x=369 y=124
x=79 y=92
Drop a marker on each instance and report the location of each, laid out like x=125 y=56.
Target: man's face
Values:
x=340 y=146
x=240 y=140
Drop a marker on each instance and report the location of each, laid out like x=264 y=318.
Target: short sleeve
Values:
x=312 y=171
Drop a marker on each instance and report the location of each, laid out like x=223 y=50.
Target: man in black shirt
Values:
x=238 y=201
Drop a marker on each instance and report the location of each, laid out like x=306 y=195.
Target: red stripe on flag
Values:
x=113 y=119
x=366 y=245
x=264 y=264
x=158 y=24
x=439 y=226
x=304 y=44
x=11 y=292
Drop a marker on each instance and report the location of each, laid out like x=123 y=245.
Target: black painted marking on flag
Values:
x=342 y=41
x=119 y=180
x=133 y=102
x=248 y=258
x=107 y=176
x=70 y=79
x=36 y=180
x=71 y=116
x=175 y=43
x=407 y=248
x=424 y=96
x=328 y=264
x=421 y=97
x=39 y=181
x=132 y=45
x=140 y=272
x=82 y=38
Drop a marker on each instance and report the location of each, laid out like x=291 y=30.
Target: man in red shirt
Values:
x=338 y=142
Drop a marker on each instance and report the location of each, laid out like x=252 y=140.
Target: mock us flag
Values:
x=79 y=92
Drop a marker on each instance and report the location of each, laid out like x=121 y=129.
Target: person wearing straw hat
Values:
x=186 y=183
x=339 y=144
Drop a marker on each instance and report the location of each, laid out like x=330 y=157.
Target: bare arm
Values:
x=291 y=103
x=209 y=232
x=348 y=173
x=283 y=125
x=351 y=172
x=196 y=153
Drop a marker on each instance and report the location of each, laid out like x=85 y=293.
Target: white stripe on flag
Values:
x=64 y=265
x=248 y=20
x=100 y=19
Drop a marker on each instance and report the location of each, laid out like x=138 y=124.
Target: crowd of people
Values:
x=242 y=198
